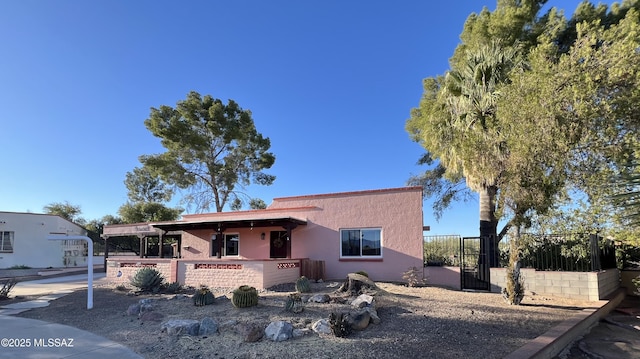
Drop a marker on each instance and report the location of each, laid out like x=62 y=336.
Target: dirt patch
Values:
x=415 y=322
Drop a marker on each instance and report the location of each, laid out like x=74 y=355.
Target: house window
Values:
x=6 y=242
x=230 y=246
x=231 y=242
x=364 y=242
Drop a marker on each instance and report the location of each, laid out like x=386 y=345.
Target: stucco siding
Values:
x=397 y=212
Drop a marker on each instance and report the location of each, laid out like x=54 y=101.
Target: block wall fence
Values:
x=577 y=285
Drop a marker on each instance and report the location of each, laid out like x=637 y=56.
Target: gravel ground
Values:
x=427 y=322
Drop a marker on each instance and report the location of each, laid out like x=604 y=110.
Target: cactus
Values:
x=294 y=303
x=244 y=296
x=203 y=296
x=339 y=324
x=303 y=285
x=147 y=280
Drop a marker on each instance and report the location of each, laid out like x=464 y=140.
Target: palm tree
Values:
x=477 y=149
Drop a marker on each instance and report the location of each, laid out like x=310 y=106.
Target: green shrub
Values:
x=203 y=296
x=121 y=288
x=147 y=280
x=245 y=296
x=20 y=266
x=173 y=287
x=303 y=285
x=636 y=283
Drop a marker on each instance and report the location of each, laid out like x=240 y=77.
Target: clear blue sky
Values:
x=330 y=82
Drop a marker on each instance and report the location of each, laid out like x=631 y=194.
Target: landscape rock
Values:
x=363 y=300
x=375 y=319
x=181 y=327
x=279 y=331
x=208 y=326
x=320 y=298
x=249 y=332
x=359 y=319
x=133 y=309
x=151 y=316
x=321 y=326
x=299 y=333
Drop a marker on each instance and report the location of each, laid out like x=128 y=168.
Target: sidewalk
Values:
x=35 y=339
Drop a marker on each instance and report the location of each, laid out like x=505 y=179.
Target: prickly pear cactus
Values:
x=245 y=296
x=294 y=303
x=203 y=297
x=303 y=285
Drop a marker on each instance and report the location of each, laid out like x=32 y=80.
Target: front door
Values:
x=278 y=244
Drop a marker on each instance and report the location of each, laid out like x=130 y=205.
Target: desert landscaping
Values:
x=411 y=322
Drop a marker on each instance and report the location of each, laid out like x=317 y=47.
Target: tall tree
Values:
x=212 y=147
x=138 y=212
x=456 y=121
x=518 y=163
x=65 y=210
x=143 y=186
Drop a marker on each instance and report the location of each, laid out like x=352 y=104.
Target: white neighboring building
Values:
x=23 y=241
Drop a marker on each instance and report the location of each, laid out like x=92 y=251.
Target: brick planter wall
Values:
x=213 y=273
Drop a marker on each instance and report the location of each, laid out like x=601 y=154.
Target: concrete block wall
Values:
x=120 y=271
x=577 y=285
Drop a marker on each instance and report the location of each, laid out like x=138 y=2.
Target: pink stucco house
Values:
x=322 y=236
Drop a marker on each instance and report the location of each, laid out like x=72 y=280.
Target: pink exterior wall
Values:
x=398 y=212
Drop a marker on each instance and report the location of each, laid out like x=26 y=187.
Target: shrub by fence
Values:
x=573 y=252
x=442 y=250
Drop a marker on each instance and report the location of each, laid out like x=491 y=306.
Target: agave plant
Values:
x=147 y=280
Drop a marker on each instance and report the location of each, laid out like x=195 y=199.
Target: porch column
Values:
x=106 y=251
x=142 y=249
x=219 y=238
x=160 y=245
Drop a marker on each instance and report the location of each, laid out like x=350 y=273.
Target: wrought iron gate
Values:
x=474 y=264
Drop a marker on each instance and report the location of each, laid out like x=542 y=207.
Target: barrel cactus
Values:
x=147 y=279
x=244 y=296
x=203 y=296
x=303 y=285
x=294 y=303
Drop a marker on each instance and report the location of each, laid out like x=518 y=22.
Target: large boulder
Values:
x=321 y=327
x=181 y=327
x=279 y=331
x=249 y=332
x=363 y=300
x=208 y=326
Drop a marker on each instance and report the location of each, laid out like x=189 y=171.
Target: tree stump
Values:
x=357 y=284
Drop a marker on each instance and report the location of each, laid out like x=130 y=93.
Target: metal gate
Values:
x=474 y=264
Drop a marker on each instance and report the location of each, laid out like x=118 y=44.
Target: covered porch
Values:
x=219 y=250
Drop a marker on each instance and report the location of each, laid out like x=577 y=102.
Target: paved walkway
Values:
x=35 y=339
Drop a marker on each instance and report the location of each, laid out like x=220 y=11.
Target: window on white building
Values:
x=361 y=243
x=6 y=242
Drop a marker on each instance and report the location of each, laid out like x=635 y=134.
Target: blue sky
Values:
x=330 y=82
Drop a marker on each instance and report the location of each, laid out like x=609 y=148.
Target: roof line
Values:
x=351 y=193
